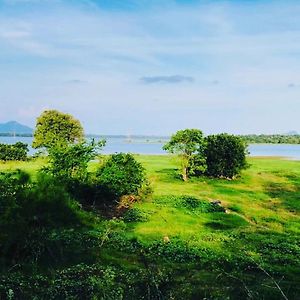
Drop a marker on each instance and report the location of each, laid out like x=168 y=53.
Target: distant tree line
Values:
x=271 y=139
x=10 y=134
x=248 y=138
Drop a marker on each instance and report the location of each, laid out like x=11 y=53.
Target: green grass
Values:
x=267 y=195
x=31 y=167
x=260 y=221
x=270 y=188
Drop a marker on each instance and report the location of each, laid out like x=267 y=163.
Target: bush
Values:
x=225 y=155
x=83 y=281
x=135 y=215
x=28 y=211
x=70 y=162
x=69 y=165
x=121 y=175
x=190 y=203
x=17 y=151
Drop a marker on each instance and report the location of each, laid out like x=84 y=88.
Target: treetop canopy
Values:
x=56 y=128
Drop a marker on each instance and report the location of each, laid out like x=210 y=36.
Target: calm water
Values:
x=154 y=146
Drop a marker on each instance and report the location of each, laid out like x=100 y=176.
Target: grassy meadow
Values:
x=248 y=247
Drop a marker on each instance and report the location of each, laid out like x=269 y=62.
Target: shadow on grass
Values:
x=169 y=175
x=288 y=194
x=231 y=191
x=222 y=221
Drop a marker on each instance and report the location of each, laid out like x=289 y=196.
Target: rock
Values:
x=216 y=202
x=166 y=239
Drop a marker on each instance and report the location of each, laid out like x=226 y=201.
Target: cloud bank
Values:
x=172 y=79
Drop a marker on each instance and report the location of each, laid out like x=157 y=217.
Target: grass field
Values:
x=252 y=242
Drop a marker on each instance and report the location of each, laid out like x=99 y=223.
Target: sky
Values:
x=153 y=66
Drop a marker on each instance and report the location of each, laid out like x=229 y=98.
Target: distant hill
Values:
x=13 y=127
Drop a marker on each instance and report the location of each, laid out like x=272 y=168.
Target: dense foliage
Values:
x=71 y=161
x=17 y=151
x=121 y=175
x=187 y=143
x=220 y=155
x=271 y=138
x=56 y=128
x=28 y=210
x=225 y=155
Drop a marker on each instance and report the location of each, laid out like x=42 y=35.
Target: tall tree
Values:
x=187 y=144
x=56 y=128
x=225 y=155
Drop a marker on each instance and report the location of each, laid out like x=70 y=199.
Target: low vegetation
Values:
x=17 y=151
x=203 y=238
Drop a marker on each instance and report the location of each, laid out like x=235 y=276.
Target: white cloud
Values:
x=233 y=44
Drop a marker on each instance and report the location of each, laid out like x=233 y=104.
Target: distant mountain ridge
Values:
x=13 y=127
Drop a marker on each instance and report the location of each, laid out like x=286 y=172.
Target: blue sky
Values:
x=153 y=67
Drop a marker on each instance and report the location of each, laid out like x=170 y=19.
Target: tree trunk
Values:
x=184 y=174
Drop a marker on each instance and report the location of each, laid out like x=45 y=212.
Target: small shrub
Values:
x=190 y=203
x=121 y=175
x=17 y=151
x=175 y=251
x=135 y=215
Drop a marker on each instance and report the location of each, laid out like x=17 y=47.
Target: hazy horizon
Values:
x=134 y=134
x=153 y=67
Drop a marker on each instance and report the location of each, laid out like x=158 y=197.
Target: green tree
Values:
x=71 y=162
x=225 y=155
x=188 y=144
x=121 y=175
x=69 y=165
x=56 y=128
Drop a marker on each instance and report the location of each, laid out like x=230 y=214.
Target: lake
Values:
x=153 y=145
